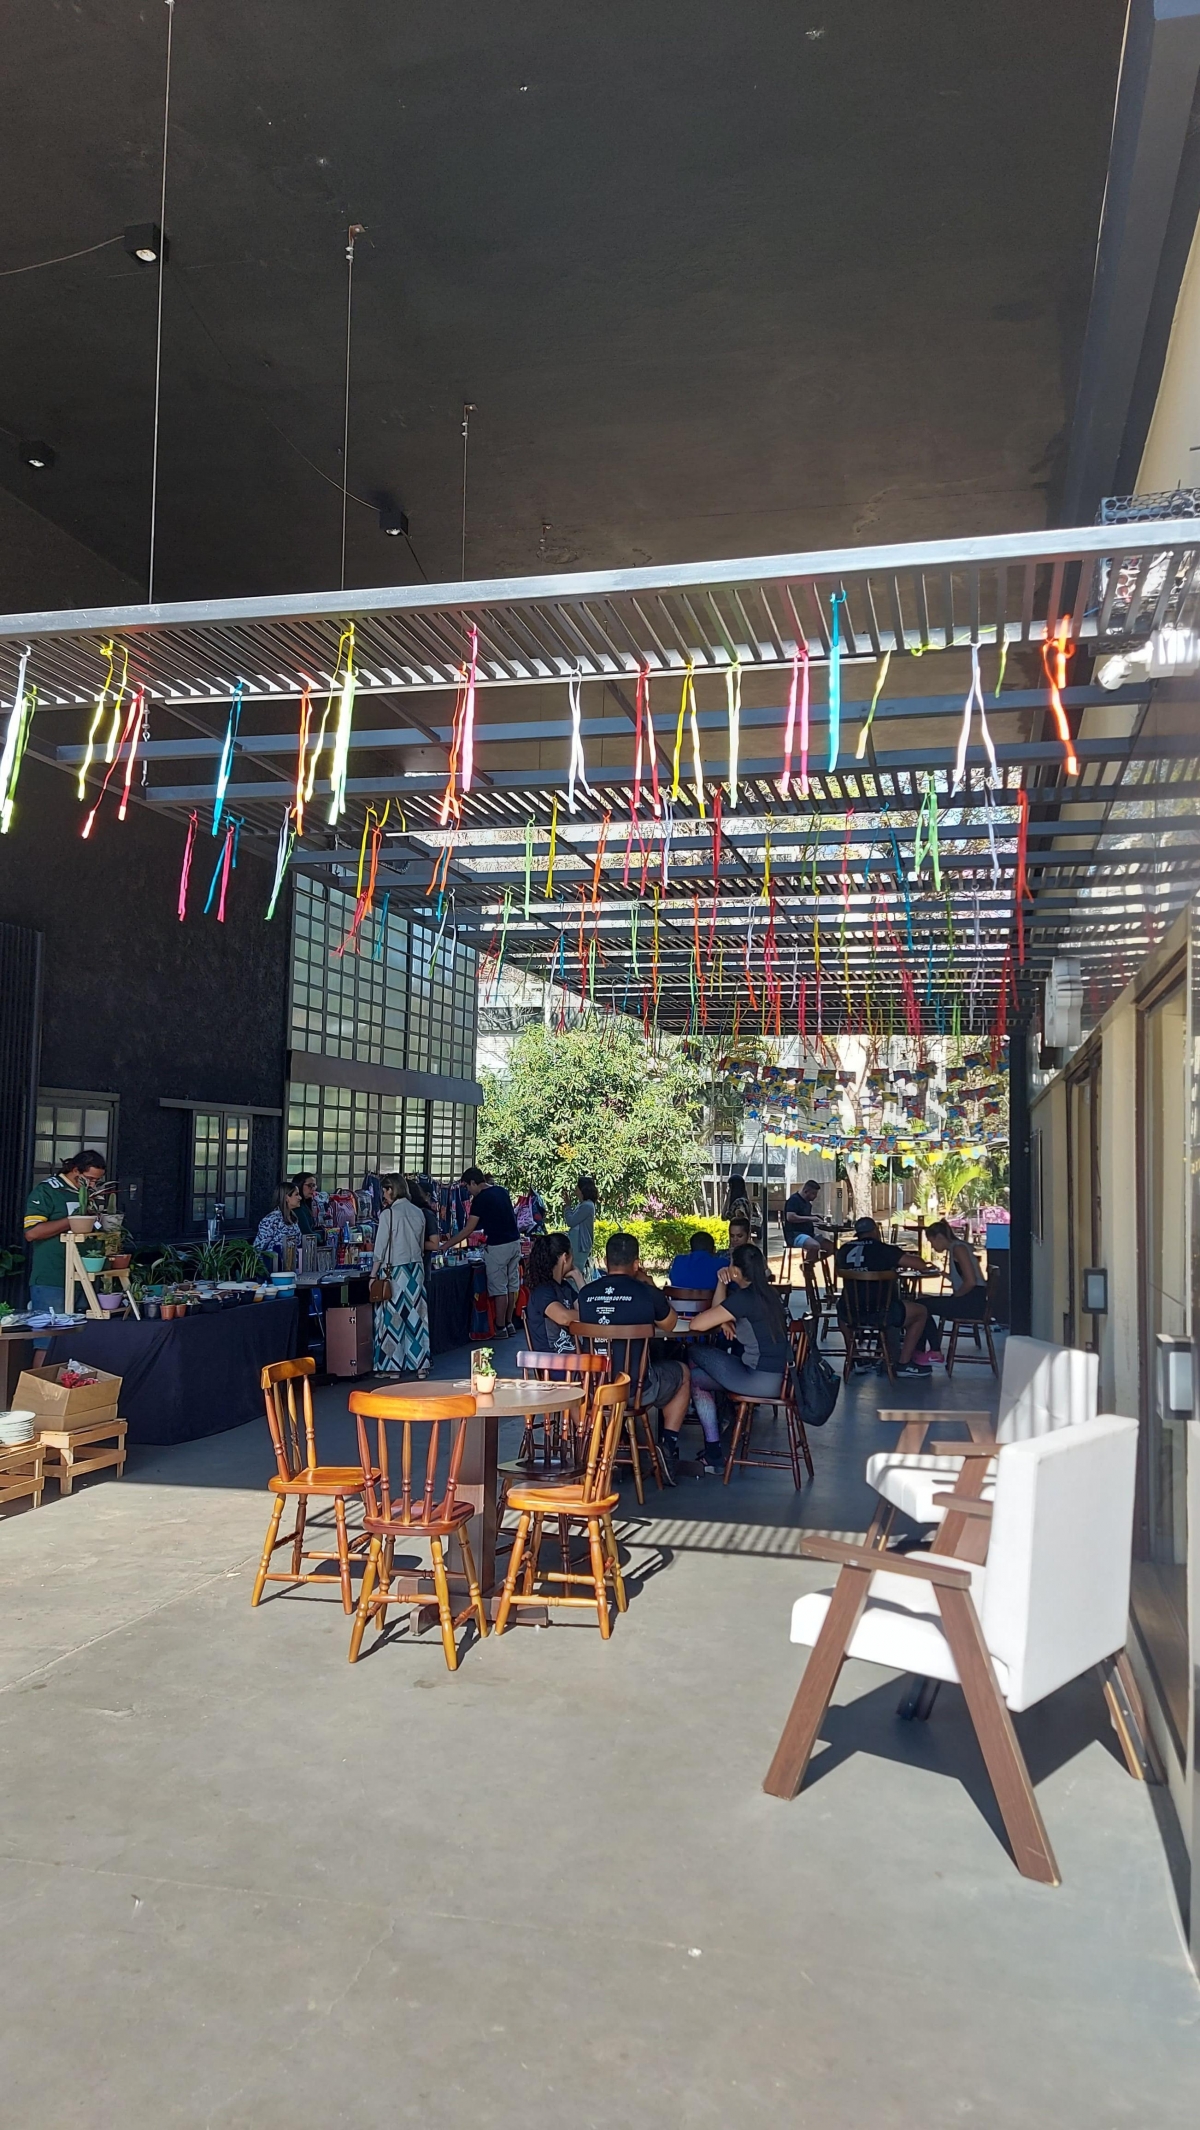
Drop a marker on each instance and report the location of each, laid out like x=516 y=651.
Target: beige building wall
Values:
x=1168 y=460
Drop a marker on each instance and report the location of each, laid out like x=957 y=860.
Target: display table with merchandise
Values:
x=195 y=1376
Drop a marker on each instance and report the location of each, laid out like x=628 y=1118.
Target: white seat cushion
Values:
x=900 y=1626
x=910 y=1482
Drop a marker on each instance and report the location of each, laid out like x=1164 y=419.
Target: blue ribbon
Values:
x=228 y=748
x=836 y=604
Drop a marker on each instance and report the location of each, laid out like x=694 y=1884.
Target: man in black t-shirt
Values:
x=869 y=1253
x=624 y=1295
x=492 y=1214
x=799 y=1214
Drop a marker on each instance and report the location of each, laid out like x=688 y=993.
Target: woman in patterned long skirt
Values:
x=398 y=1261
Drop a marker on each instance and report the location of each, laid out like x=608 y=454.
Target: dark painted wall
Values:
x=136 y=1003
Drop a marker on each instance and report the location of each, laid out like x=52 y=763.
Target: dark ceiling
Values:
x=720 y=279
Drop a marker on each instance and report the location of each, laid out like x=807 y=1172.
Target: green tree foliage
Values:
x=594 y=1101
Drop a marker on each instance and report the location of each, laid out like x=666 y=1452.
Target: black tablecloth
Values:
x=195 y=1376
x=450 y=1292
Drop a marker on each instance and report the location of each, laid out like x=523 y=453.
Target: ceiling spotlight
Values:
x=144 y=241
x=393 y=520
x=38 y=453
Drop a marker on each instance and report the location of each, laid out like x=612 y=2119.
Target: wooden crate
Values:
x=90 y=1446
x=22 y=1471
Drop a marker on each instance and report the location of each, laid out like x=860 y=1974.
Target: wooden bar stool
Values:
x=590 y=1505
x=302 y=1477
x=605 y=1339
x=388 y=1516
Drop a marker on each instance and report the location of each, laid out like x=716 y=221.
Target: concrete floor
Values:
x=245 y=1885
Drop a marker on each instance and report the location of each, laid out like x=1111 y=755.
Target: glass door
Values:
x=1160 y=1602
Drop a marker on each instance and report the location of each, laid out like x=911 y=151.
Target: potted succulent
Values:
x=483 y=1372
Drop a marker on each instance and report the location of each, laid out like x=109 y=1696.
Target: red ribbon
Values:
x=128 y=737
x=1057 y=650
x=186 y=872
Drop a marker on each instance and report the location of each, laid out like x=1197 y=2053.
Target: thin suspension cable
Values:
x=356 y=229
x=162 y=260
x=468 y=411
x=35 y=265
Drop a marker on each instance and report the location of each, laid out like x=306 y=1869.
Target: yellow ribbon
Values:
x=114 y=731
x=109 y=651
x=697 y=761
x=880 y=677
x=553 y=846
x=683 y=705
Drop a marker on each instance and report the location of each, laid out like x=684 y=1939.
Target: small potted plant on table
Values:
x=483 y=1372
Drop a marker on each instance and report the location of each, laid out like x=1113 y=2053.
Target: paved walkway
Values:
x=246 y=1887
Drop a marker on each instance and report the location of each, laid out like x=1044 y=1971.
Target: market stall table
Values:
x=196 y=1376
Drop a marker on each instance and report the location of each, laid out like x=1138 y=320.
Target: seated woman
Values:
x=551 y=1309
x=746 y=1301
x=969 y=1296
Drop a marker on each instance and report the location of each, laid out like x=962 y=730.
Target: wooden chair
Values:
x=590 y=1505
x=605 y=1339
x=388 y=1516
x=741 y=1447
x=979 y=1358
x=301 y=1476
x=822 y=1304
x=689 y=1301
x=558 y=1437
x=864 y=1321
x=1051 y=1602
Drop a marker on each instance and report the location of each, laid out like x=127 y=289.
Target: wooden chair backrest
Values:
x=411 y=1411
x=858 y=1305
x=799 y=1339
x=694 y=1299
x=608 y=1418
x=279 y=1384
x=608 y=1337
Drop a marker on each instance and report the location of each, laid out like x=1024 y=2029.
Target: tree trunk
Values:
x=860 y=1173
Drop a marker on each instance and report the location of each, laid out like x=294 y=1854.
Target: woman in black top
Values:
x=428 y=1211
x=745 y=1300
x=552 y=1306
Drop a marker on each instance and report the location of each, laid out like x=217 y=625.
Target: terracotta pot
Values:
x=167 y=1312
x=121 y=1264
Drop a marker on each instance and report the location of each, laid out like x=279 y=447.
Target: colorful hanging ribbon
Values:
x=880 y=677
x=137 y=706
x=1057 y=650
x=576 y=766
x=381 y=927
x=925 y=835
x=283 y=854
x=372 y=839
x=128 y=738
x=302 y=758
x=16 y=733
x=797 y=692
x=697 y=758
x=228 y=748
x=974 y=702
x=528 y=863
x=553 y=846
x=225 y=865
x=185 y=871
x=733 y=700
x=837 y=602
x=686 y=692
x=345 y=718
x=108 y=651
x=1021 y=894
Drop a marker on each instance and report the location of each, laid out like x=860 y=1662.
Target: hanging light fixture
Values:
x=38 y=454
x=393 y=520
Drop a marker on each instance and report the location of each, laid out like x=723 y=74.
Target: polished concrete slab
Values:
x=244 y=1884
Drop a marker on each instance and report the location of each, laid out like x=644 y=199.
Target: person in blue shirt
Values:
x=697 y=1266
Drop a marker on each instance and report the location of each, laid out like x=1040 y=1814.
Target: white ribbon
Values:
x=12 y=734
x=974 y=701
x=576 y=767
x=733 y=696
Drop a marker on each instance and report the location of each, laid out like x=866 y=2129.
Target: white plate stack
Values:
x=16 y=1429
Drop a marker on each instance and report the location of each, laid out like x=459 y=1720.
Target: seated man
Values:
x=869 y=1253
x=798 y=1218
x=697 y=1266
x=739 y=1236
x=624 y=1295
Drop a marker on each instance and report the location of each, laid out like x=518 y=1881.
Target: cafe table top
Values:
x=517 y=1395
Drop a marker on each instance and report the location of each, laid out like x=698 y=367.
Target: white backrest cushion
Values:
x=1056 y=1599
x=1043 y=1387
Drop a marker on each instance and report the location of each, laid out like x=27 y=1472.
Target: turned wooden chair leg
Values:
x=952 y=1348
x=631 y=1431
x=384 y=1578
x=343 y=1551
x=740 y=1423
x=445 y=1615
x=615 y=1564
x=991 y=1347
x=269 y=1547
x=370 y=1573
x=473 y=1590
x=514 y=1570
x=598 y=1577
x=805 y=1451
x=298 y=1538
x=799 y=1734
x=1007 y=1772
x=533 y=1556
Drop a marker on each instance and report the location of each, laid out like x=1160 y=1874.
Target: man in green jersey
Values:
x=48 y=1209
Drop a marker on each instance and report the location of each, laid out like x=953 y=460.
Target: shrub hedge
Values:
x=661 y=1240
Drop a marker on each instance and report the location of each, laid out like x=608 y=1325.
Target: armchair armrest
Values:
x=961 y=1449
x=926 y=1567
x=964 y=1506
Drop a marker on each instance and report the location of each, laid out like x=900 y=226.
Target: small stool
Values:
x=21 y=1472
x=103 y=1444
